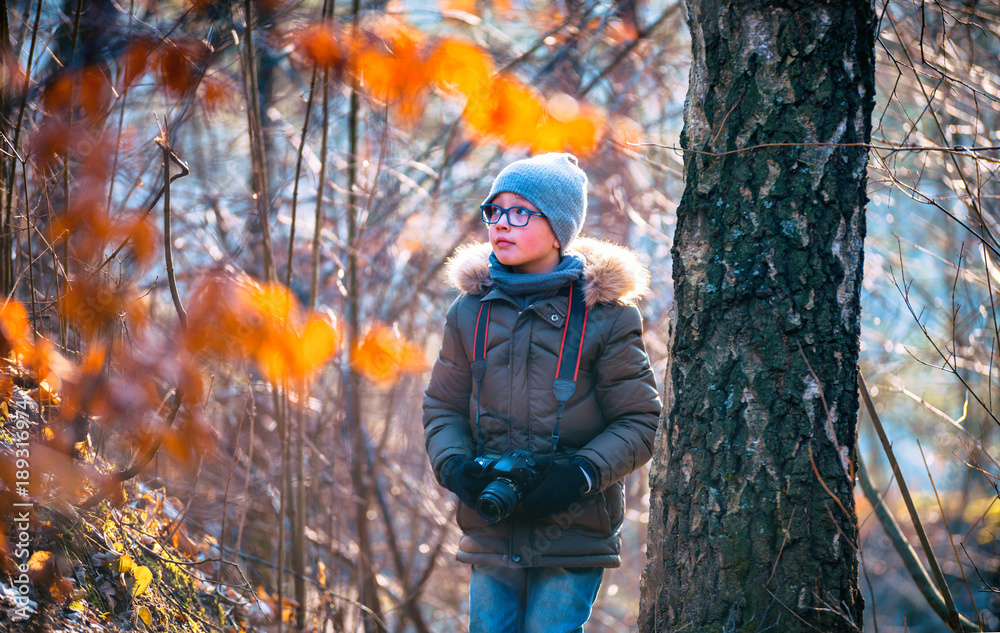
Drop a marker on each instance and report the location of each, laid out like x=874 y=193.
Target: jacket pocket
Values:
x=588 y=516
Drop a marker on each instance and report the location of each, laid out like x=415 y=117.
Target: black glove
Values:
x=564 y=484
x=463 y=476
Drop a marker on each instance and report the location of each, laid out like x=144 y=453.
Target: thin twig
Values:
x=164 y=142
x=947 y=529
x=819 y=478
x=953 y=619
x=906 y=552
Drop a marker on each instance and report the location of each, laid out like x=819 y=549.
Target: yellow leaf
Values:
x=123 y=565
x=142 y=577
x=145 y=616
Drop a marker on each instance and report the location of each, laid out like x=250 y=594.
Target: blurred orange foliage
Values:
x=389 y=63
x=14 y=328
x=218 y=92
x=135 y=60
x=384 y=355
x=465 y=6
x=569 y=125
x=317 y=44
x=460 y=67
x=621 y=31
x=396 y=67
x=239 y=318
x=508 y=110
x=53 y=139
x=11 y=73
x=93 y=303
x=180 y=63
x=88 y=89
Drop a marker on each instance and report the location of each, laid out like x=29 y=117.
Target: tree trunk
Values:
x=752 y=521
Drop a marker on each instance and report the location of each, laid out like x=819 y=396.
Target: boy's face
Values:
x=527 y=249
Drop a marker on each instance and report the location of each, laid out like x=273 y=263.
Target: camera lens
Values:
x=498 y=500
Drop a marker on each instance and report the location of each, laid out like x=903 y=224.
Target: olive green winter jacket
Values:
x=610 y=421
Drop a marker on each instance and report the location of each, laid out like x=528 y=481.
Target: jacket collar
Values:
x=611 y=273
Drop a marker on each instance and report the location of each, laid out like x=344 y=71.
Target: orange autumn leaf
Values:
x=48 y=364
x=92 y=304
x=58 y=93
x=53 y=139
x=318 y=342
x=179 y=65
x=11 y=73
x=501 y=7
x=263 y=323
x=318 y=45
x=273 y=300
x=384 y=355
x=465 y=6
x=86 y=224
x=508 y=110
x=579 y=135
x=460 y=67
x=222 y=319
x=217 y=92
x=87 y=88
x=57 y=475
x=143 y=237
x=621 y=31
x=569 y=126
x=135 y=60
x=14 y=328
x=45 y=395
x=94 y=91
x=41 y=568
x=178 y=447
x=289 y=353
x=390 y=65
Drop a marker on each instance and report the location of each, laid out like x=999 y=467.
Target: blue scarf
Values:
x=517 y=284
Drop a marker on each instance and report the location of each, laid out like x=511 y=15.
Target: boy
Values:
x=539 y=544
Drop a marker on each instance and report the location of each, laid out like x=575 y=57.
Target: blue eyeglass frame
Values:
x=501 y=212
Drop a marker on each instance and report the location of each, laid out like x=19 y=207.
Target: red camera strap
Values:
x=567 y=367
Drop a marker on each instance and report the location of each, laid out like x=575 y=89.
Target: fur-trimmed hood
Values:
x=611 y=273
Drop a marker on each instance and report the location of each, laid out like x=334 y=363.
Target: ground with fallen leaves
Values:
x=126 y=565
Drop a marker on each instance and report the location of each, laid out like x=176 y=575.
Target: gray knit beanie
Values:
x=555 y=184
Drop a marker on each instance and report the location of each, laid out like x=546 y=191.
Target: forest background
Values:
x=220 y=362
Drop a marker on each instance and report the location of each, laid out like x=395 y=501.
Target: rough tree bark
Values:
x=752 y=521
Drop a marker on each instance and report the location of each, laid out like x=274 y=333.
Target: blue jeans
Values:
x=532 y=599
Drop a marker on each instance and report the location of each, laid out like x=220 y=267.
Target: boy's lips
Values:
x=503 y=242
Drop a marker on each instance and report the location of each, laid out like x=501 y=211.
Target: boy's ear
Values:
x=555 y=243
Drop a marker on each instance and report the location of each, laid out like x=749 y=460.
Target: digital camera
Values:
x=514 y=474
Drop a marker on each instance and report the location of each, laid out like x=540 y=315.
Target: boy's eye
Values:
x=521 y=212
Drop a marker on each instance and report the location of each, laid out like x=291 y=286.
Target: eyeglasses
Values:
x=516 y=216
